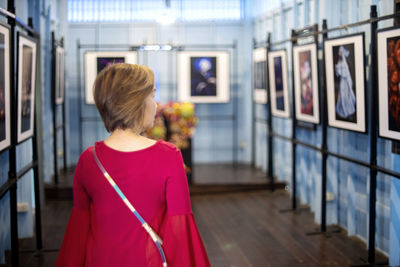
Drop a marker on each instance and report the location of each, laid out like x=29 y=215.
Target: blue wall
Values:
x=348 y=182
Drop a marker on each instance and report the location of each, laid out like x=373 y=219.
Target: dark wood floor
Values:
x=239 y=230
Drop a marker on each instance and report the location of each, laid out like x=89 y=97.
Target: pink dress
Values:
x=103 y=232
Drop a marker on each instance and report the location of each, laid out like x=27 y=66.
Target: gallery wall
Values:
x=348 y=183
x=212 y=141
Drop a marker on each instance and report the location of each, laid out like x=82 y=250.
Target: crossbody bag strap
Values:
x=156 y=239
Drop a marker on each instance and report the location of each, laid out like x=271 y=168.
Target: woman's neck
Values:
x=127 y=140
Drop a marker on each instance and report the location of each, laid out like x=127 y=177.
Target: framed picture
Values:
x=203 y=77
x=278 y=84
x=26 y=86
x=96 y=61
x=59 y=79
x=306 y=83
x=5 y=134
x=346 y=86
x=259 y=78
x=389 y=78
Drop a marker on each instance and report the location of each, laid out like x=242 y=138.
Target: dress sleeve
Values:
x=73 y=249
x=181 y=239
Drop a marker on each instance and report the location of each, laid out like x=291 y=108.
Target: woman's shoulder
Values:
x=167 y=147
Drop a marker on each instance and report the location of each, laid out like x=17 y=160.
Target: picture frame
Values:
x=345 y=86
x=279 y=92
x=260 y=94
x=26 y=83
x=95 y=61
x=203 y=76
x=60 y=72
x=5 y=116
x=388 y=41
x=306 y=90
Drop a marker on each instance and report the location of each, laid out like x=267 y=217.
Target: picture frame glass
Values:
x=203 y=76
x=345 y=85
x=26 y=86
x=389 y=80
x=5 y=134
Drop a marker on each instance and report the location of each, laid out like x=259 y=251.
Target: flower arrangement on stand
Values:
x=175 y=122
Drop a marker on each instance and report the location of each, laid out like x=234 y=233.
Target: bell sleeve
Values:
x=181 y=239
x=73 y=249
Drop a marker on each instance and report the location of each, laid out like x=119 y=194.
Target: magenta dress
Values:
x=102 y=231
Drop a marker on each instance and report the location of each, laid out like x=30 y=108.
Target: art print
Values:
x=345 y=85
x=259 y=77
x=5 y=135
x=203 y=77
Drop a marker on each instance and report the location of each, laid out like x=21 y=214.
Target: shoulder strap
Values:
x=156 y=239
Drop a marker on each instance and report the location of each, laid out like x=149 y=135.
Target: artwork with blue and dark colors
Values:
x=344 y=75
x=279 y=98
x=259 y=75
x=203 y=76
x=26 y=97
x=2 y=89
x=103 y=62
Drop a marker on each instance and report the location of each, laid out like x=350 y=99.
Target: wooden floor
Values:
x=238 y=230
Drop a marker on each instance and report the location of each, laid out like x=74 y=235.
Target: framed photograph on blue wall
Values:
x=306 y=91
x=389 y=83
x=5 y=134
x=203 y=77
x=59 y=79
x=260 y=75
x=346 y=86
x=279 y=92
x=26 y=86
x=96 y=61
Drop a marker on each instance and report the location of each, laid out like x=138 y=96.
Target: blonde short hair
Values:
x=119 y=92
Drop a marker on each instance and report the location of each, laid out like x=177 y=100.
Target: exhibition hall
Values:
x=191 y=133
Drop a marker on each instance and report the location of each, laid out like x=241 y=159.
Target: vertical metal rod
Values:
x=38 y=214
x=270 y=130
x=79 y=99
x=63 y=115
x=324 y=145
x=235 y=103
x=294 y=145
x=253 y=112
x=12 y=150
x=373 y=138
x=54 y=105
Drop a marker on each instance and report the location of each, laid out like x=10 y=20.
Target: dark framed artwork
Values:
x=260 y=75
x=345 y=85
x=26 y=86
x=5 y=134
x=203 y=77
x=96 y=61
x=389 y=83
x=306 y=90
x=277 y=68
x=59 y=79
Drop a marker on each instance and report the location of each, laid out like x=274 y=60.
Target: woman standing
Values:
x=102 y=231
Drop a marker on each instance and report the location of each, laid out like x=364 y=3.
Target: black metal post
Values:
x=12 y=174
x=270 y=130
x=80 y=94
x=234 y=95
x=38 y=218
x=324 y=145
x=63 y=115
x=253 y=112
x=373 y=138
x=294 y=145
x=54 y=105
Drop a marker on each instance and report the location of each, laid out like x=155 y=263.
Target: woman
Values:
x=346 y=102
x=102 y=231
